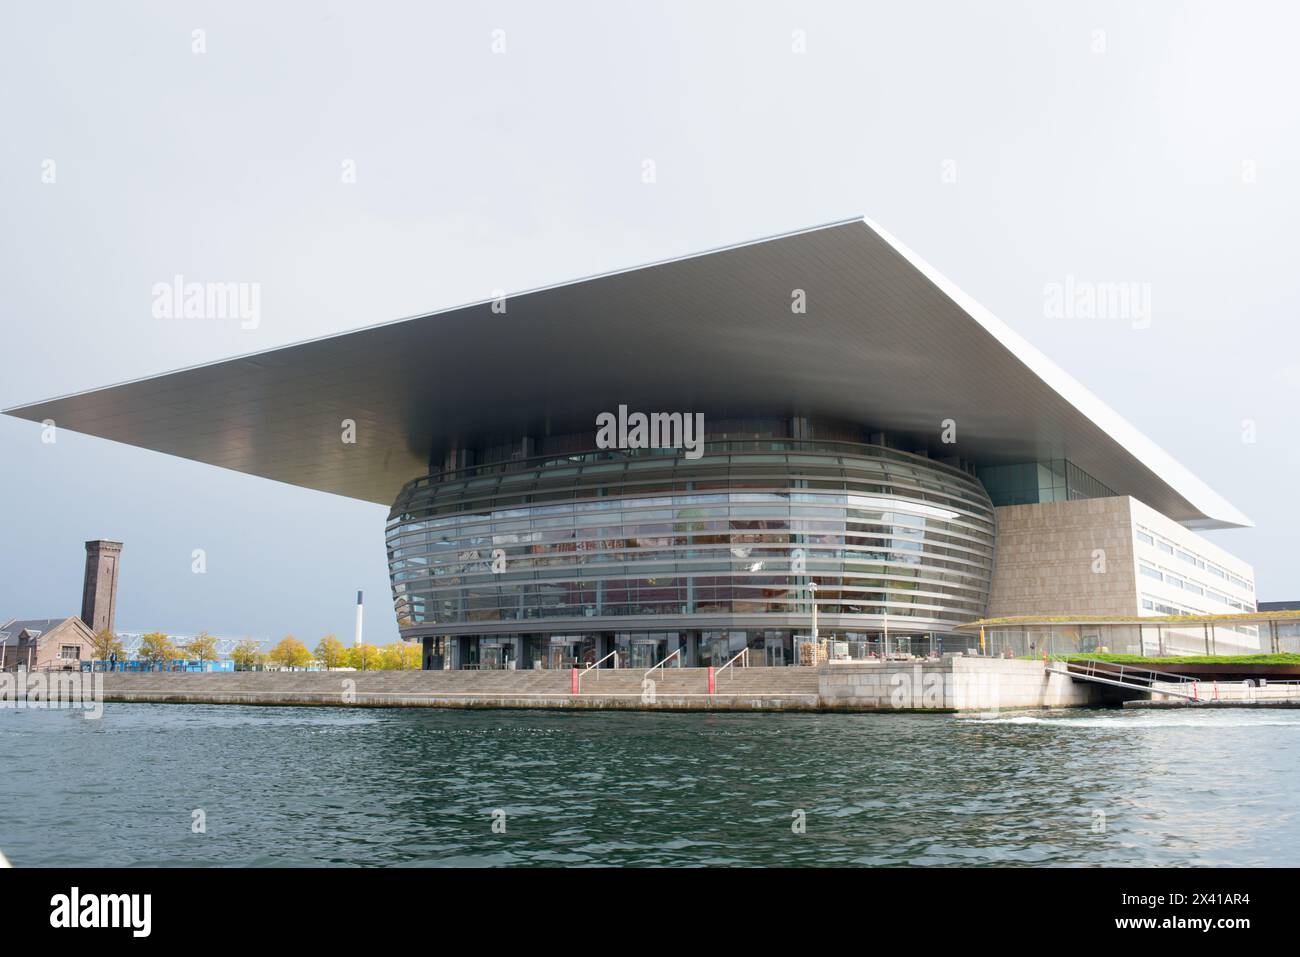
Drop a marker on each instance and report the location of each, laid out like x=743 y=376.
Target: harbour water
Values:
x=323 y=786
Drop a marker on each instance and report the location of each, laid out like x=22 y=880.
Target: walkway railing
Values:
x=1122 y=672
x=661 y=664
x=1121 y=675
x=577 y=683
x=744 y=653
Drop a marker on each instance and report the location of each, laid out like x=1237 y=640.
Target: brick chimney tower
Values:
x=99 y=591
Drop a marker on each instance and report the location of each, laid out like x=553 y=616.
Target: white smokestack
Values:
x=359 y=610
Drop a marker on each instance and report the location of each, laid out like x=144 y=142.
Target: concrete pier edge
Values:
x=955 y=684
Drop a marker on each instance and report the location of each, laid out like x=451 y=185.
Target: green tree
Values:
x=156 y=648
x=290 y=653
x=329 y=652
x=202 y=647
x=247 y=655
x=104 y=644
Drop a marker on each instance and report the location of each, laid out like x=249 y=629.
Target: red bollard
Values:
x=573 y=681
x=712 y=688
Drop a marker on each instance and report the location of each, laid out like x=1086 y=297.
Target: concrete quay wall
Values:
x=473 y=700
x=761 y=689
x=952 y=684
x=1228 y=692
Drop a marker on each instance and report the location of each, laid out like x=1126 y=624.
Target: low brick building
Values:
x=41 y=644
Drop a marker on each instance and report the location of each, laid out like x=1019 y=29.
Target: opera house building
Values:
x=686 y=456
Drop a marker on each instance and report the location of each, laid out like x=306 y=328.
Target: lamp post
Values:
x=812 y=590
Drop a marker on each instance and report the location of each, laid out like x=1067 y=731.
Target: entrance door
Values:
x=774 y=652
x=564 y=654
x=647 y=652
x=713 y=648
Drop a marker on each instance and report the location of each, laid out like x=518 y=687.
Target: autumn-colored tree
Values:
x=247 y=655
x=329 y=652
x=364 y=658
x=156 y=648
x=400 y=656
x=104 y=644
x=290 y=653
x=202 y=647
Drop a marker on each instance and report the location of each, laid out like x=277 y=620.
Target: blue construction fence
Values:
x=223 y=664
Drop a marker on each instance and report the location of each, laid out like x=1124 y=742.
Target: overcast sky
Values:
x=1012 y=145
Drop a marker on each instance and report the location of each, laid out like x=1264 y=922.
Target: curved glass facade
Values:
x=653 y=542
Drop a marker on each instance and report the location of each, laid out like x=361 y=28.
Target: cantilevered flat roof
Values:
x=886 y=341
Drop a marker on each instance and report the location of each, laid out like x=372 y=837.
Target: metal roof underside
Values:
x=886 y=341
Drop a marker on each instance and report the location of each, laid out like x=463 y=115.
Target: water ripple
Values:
x=338 y=787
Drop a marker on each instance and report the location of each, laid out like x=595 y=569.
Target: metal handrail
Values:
x=1092 y=668
x=1131 y=676
x=744 y=653
x=664 y=662
x=596 y=664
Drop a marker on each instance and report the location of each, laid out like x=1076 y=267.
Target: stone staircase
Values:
x=733 y=681
x=743 y=688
